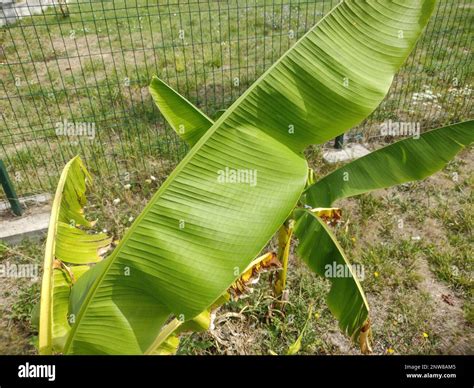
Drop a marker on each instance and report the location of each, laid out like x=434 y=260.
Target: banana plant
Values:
x=243 y=179
x=70 y=250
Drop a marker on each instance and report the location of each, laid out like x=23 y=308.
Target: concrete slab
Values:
x=349 y=152
x=11 y=11
x=32 y=225
x=28 y=201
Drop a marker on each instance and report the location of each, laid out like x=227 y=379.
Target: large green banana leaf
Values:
x=66 y=243
x=198 y=234
x=403 y=161
x=319 y=248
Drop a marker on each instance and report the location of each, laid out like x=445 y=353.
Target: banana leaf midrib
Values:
x=47 y=283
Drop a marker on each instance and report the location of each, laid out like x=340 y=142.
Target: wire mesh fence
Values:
x=74 y=77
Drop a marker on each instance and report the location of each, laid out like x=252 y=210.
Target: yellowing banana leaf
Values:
x=330 y=215
x=76 y=246
x=66 y=243
x=319 y=249
x=252 y=273
x=62 y=284
x=201 y=230
x=403 y=161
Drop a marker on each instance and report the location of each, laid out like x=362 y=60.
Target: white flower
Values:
x=127 y=186
x=116 y=201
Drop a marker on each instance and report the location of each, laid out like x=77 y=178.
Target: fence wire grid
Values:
x=86 y=65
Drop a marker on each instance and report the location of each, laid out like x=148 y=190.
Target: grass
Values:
x=18 y=296
x=95 y=65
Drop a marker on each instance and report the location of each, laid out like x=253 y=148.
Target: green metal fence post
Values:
x=9 y=190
